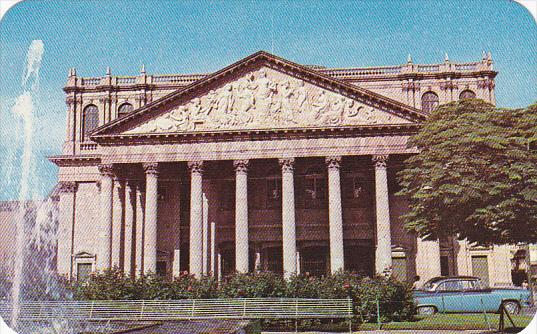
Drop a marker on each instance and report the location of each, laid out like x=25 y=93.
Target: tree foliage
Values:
x=475 y=175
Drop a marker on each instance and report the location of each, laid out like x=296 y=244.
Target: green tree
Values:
x=475 y=175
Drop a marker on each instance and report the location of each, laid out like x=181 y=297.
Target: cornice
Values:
x=257 y=135
x=75 y=160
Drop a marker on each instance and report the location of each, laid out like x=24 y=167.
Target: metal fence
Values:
x=188 y=309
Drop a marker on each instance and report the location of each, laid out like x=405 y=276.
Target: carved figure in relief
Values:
x=266 y=89
x=350 y=111
x=286 y=104
x=370 y=116
x=301 y=96
x=246 y=104
x=334 y=116
x=211 y=103
x=226 y=99
x=180 y=118
x=320 y=104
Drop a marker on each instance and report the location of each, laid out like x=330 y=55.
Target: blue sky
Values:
x=204 y=36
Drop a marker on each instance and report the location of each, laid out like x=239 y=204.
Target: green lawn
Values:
x=452 y=321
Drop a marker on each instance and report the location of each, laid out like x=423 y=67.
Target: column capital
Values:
x=241 y=166
x=196 y=167
x=67 y=187
x=380 y=160
x=150 y=168
x=106 y=170
x=333 y=162
x=287 y=164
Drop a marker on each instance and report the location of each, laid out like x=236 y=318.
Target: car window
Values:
x=471 y=285
x=450 y=286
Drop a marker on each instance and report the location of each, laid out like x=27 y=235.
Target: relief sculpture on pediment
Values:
x=266 y=99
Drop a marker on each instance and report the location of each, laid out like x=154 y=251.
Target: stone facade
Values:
x=263 y=165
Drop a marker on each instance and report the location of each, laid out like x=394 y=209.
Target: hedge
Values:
x=395 y=298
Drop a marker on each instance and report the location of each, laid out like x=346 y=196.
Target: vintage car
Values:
x=468 y=294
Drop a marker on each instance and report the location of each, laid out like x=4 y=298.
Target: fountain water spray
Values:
x=24 y=108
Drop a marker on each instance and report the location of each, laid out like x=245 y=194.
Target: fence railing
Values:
x=188 y=309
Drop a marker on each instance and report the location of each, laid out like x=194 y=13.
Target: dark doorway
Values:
x=360 y=260
x=314 y=260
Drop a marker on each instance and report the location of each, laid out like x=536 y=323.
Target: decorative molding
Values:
x=151 y=168
x=380 y=161
x=287 y=165
x=268 y=99
x=196 y=167
x=486 y=83
x=448 y=85
x=241 y=166
x=106 y=170
x=410 y=86
x=68 y=187
x=333 y=162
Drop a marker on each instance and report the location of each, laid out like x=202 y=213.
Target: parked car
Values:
x=468 y=294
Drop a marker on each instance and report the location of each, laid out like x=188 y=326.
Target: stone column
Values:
x=105 y=230
x=205 y=254
x=335 y=215
x=117 y=220
x=288 y=217
x=383 y=253
x=151 y=217
x=130 y=215
x=241 y=216
x=139 y=233
x=427 y=259
x=65 y=227
x=213 y=249
x=79 y=117
x=196 y=218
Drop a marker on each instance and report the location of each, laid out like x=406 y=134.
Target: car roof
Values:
x=448 y=278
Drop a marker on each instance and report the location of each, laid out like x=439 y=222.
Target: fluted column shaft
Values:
x=383 y=253
x=130 y=214
x=288 y=217
x=117 y=220
x=196 y=218
x=139 y=244
x=335 y=215
x=241 y=216
x=151 y=217
x=105 y=230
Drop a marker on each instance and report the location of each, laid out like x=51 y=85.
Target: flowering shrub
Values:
x=394 y=298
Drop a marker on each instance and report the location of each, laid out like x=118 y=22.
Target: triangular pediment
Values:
x=263 y=95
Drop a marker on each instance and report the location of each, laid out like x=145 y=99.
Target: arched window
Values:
x=429 y=101
x=91 y=120
x=124 y=109
x=467 y=94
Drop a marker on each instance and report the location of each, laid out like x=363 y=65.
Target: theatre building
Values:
x=264 y=165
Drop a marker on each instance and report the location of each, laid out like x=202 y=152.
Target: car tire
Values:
x=426 y=310
x=511 y=306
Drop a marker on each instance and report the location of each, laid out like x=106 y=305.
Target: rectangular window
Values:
x=227 y=195
x=162 y=193
x=315 y=192
x=480 y=268
x=161 y=268
x=83 y=271
x=274 y=193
